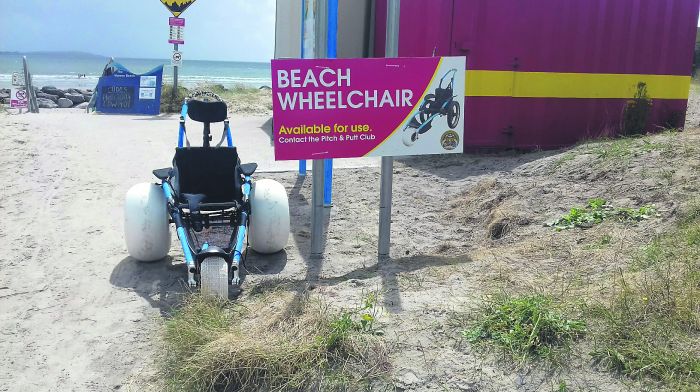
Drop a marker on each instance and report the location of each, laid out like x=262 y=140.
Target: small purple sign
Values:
x=180 y=22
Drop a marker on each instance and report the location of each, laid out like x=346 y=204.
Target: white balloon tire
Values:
x=146 y=227
x=213 y=277
x=408 y=138
x=269 y=219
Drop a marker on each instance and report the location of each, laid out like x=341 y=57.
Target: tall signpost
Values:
x=177 y=34
x=310 y=28
x=392 y=50
x=331 y=53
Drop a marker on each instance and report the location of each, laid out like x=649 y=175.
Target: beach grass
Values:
x=240 y=99
x=276 y=341
x=650 y=326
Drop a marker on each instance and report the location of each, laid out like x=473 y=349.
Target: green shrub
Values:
x=170 y=103
x=637 y=110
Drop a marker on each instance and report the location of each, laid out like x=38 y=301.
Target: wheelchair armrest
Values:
x=247 y=169
x=163 y=174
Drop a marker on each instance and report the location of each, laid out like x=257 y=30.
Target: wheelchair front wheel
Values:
x=213 y=277
x=453 y=113
x=409 y=137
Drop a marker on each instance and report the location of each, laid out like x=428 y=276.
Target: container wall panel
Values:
x=540 y=48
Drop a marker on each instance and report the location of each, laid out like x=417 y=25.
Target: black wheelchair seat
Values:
x=193 y=200
x=210 y=171
x=441 y=97
x=207 y=112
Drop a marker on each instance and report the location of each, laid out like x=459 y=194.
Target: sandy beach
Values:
x=79 y=314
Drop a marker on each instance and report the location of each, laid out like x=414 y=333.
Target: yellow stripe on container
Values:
x=572 y=85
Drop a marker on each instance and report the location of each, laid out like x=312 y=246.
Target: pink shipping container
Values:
x=548 y=73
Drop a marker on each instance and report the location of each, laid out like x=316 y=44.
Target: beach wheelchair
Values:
x=216 y=207
x=441 y=103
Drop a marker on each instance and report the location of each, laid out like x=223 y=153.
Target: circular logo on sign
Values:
x=21 y=94
x=449 y=140
x=177 y=56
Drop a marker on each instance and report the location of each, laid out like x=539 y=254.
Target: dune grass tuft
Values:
x=274 y=343
x=525 y=327
x=243 y=99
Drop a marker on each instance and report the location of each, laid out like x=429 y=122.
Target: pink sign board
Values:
x=348 y=108
x=176 y=22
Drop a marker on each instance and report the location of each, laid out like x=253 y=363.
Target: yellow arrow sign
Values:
x=177 y=6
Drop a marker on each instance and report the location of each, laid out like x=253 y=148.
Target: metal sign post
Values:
x=331 y=53
x=177 y=26
x=310 y=50
x=392 y=50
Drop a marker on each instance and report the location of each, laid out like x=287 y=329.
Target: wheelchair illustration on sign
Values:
x=441 y=103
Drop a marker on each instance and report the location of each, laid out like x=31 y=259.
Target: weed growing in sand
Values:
x=650 y=327
x=596 y=211
x=274 y=341
x=525 y=327
x=349 y=321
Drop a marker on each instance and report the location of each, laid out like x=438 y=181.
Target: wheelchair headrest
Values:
x=207 y=112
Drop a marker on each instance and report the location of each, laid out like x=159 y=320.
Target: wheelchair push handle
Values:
x=452 y=72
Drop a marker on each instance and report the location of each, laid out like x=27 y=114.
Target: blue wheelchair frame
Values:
x=191 y=254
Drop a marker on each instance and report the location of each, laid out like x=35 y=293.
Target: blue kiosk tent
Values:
x=122 y=91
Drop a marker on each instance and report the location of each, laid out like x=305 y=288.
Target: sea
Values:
x=66 y=70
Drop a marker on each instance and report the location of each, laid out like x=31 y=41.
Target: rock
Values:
x=82 y=105
x=47 y=96
x=406 y=380
x=53 y=91
x=46 y=103
x=64 y=103
x=265 y=88
x=83 y=92
x=75 y=98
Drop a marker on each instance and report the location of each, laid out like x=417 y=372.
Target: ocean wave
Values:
x=90 y=81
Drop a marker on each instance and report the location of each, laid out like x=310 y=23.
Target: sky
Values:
x=228 y=30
